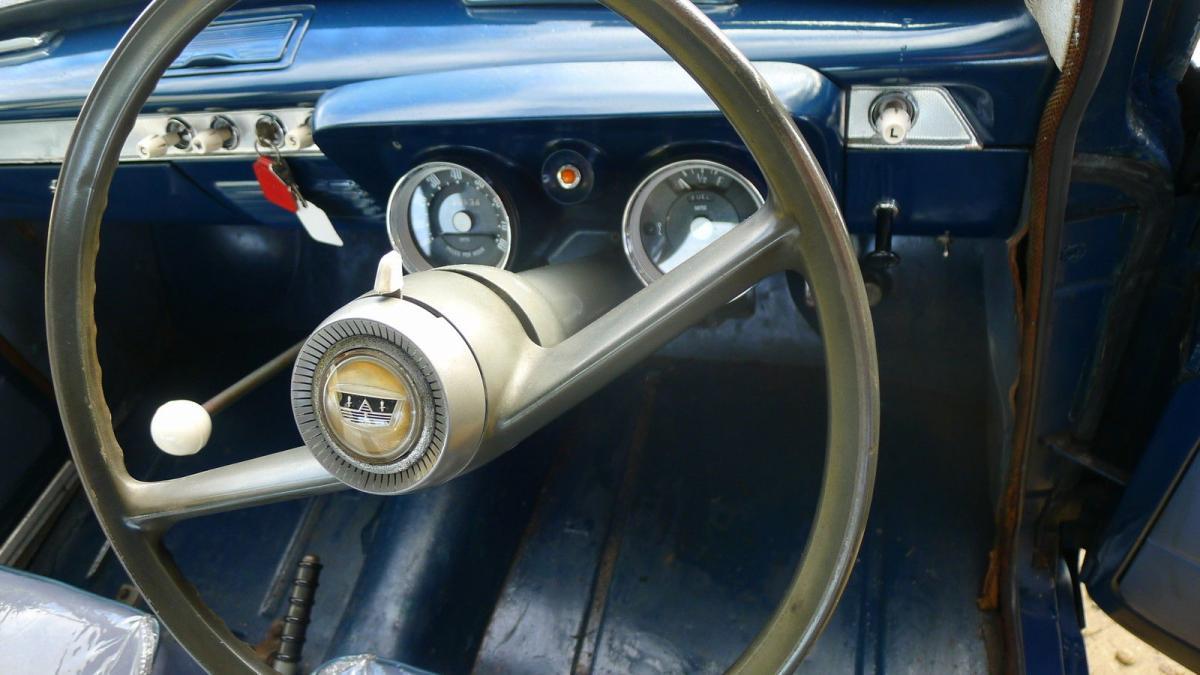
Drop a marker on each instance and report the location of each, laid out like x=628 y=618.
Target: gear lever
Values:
x=182 y=427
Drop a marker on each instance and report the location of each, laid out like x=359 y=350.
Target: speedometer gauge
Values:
x=442 y=213
x=681 y=208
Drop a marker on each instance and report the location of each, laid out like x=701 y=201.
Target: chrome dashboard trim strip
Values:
x=45 y=141
x=939 y=125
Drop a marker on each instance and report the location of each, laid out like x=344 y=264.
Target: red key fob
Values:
x=274 y=189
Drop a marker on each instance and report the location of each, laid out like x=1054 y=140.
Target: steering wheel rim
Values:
x=801 y=204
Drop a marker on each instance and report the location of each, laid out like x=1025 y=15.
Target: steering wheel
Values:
x=799 y=228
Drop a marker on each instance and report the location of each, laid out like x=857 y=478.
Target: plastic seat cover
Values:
x=50 y=627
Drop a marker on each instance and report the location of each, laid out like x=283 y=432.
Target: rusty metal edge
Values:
x=1027 y=301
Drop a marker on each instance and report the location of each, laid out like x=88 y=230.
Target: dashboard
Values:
x=519 y=135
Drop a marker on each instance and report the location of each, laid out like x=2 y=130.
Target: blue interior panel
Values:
x=1146 y=571
x=1163 y=582
x=967 y=193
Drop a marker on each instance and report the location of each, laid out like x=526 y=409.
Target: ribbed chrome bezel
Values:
x=308 y=380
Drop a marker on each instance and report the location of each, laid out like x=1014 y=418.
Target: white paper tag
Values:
x=317 y=224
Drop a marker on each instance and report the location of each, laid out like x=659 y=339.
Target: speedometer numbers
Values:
x=681 y=208
x=442 y=213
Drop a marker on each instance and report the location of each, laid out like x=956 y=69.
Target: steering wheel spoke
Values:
x=289 y=474
x=559 y=377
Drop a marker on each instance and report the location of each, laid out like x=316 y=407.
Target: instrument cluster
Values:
x=444 y=212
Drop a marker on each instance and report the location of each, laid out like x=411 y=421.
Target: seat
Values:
x=50 y=627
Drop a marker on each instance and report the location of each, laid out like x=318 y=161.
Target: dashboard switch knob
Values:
x=222 y=133
x=156 y=145
x=893 y=115
x=299 y=138
x=894 y=125
x=176 y=134
x=211 y=140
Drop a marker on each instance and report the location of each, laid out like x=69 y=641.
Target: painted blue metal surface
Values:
x=635 y=115
x=31 y=440
x=1134 y=115
x=1135 y=553
x=990 y=55
x=1135 y=111
x=1051 y=641
x=141 y=194
x=937 y=191
x=1162 y=582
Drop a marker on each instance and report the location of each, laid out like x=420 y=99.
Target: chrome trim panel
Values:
x=45 y=141
x=938 y=124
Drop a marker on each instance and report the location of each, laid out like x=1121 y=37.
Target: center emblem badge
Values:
x=366 y=411
x=370 y=405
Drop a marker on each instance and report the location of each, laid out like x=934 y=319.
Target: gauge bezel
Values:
x=399 y=228
x=631 y=235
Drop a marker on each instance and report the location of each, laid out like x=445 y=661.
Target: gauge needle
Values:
x=701 y=233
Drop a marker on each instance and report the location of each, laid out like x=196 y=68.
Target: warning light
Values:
x=569 y=176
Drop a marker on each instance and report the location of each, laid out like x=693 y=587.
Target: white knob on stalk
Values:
x=180 y=427
x=389 y=276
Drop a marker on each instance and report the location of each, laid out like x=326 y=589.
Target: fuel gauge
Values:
x=681 y=208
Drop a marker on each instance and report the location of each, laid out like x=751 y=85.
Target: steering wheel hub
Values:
x=370 y=402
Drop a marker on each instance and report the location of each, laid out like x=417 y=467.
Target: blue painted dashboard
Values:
x=989 y=57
